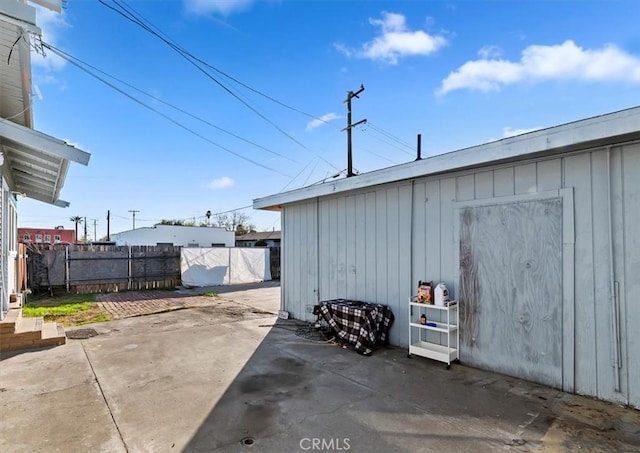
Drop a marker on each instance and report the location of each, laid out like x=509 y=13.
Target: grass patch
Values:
x=210 y=294
x=67 y=309
x=54 y=311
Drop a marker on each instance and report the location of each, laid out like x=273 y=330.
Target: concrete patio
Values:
x=230 y=377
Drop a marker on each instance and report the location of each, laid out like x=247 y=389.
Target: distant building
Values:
x=264 y=239
x=178 y=235
x=46 y=236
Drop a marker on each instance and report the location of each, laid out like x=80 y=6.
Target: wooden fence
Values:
x=103 y=268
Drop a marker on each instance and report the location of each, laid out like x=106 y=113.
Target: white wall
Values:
x=177 y=235
x=8 y=245
x=374 y=245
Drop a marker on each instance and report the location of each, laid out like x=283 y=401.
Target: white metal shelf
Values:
x=446 y=324
x=433 y=351
x=441 y=327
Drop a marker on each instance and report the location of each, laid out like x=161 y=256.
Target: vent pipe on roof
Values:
x=419 y=147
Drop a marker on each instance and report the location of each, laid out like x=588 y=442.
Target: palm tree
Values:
x=76 y=219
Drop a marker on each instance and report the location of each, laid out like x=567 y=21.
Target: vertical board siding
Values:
x=577 y=174
x=503 y=182
x=525 y=179
x=465 y=188
x=447 y=253
x=603 y=303
x=419 y=233
x=350 y=256
x=341 y=241
x=375 y=245
x=405 y=283
x=334 y=244
x=381 y=248
x=549 y=175
x=630 y=314
x=361 y=247
x=371 y=260
x=323 y=246
x=484 y=185
x=392 y=296
x=432 y=252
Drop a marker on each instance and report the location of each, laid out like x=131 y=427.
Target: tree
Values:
x=76 y=219
x=235 y=221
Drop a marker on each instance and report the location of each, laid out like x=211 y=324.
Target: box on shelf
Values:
x=425 y=292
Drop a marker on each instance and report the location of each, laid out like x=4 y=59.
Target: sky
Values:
x=262 y=109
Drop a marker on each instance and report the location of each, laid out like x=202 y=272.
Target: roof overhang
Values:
x=598 y=131
x=37 y=163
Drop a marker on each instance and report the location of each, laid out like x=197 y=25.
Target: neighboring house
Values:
x=46 y=236
x=264 y=239
x=178 y=235
x=536 y=235
x=32 y=164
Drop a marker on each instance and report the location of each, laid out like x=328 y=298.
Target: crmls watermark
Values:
x=323 y=444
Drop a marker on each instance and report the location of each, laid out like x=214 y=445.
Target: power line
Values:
x=168 y=118
x=387 y=142
x=391 y=136
x=139 y=20
x=69 y=56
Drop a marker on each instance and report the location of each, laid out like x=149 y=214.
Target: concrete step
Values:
x=52 y=334
x=8 y=324
x=32 y=333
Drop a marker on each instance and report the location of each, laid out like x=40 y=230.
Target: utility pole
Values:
x=85 y=229
x=95 y=234
x=134 y=217
x=108 y=224
x=351 y=95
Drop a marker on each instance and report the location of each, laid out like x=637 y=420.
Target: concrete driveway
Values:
x=230 y=377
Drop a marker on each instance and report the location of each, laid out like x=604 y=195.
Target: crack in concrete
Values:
x=104 y=398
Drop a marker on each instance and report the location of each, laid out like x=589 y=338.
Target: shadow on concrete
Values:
x=294 y=395
x=223 y=289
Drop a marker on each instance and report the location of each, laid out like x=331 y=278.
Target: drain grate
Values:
x=81 y=334
x=248 y=441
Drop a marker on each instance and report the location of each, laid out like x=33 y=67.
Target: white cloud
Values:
x=223 y=7
x=511 y=132
x=565 y=61
x=221 y=183
x=395 y=41
x=324 y=119
x=52 y=24
x=490 y=52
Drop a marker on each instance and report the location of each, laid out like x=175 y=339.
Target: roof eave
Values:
x=596 y=131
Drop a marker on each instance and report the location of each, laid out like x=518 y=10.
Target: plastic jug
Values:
x=441 y=294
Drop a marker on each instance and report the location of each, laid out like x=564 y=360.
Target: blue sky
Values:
x=460 y=73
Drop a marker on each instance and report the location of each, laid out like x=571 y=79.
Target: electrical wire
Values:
x=141 y=18
x=380 y=139
x=391 y=136
x=381 y=157
x=127 y=13
x=155 y=98
x=168 y=118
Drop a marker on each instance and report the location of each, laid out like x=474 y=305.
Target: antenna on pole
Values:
x=134 y=217
x=351 y=95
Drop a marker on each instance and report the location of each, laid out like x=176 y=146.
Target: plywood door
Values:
x=511 y=289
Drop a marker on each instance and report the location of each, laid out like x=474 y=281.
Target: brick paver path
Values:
x=133 y=303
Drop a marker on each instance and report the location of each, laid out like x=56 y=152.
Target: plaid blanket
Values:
x=362 y=325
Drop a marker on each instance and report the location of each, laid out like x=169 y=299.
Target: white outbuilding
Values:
x=178 y=235
x=537 y=236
